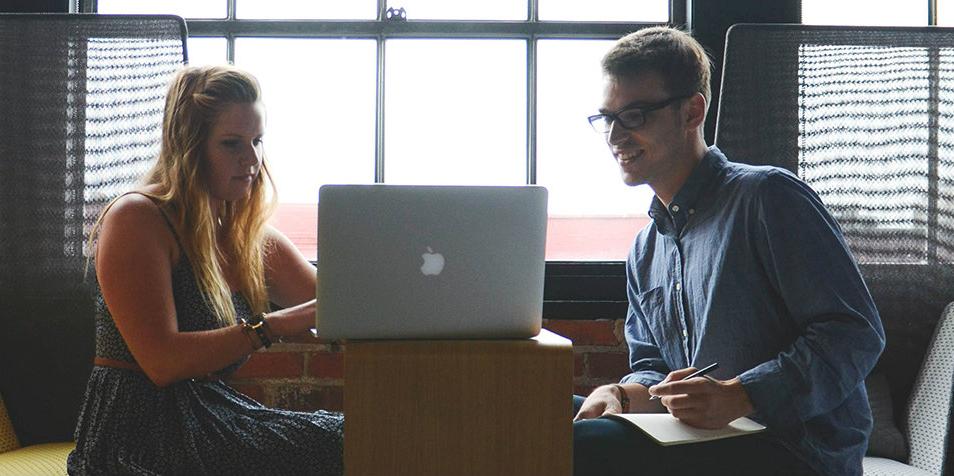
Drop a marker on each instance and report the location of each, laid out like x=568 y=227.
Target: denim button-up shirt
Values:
x=746 y=268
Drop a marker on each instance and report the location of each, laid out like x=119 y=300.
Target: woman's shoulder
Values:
x=136 y=217
x=134 y=207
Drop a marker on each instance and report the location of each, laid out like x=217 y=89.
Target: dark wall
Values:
x=34 y=6
x=710 y=19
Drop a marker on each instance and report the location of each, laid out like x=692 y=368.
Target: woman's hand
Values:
x=292 y=321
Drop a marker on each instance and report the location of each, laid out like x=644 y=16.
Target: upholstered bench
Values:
x=40 y=459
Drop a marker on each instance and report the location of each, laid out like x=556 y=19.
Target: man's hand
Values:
x=603 y=400
x=702 y=402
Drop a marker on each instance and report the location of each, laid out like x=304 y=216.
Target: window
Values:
x=867 y=12
x=494 y=92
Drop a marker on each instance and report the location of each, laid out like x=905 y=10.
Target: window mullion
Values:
x=532 y=110
x=379 y=111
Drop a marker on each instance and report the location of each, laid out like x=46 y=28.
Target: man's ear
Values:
x=695 y=111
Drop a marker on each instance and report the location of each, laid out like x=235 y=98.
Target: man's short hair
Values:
x=675 y=55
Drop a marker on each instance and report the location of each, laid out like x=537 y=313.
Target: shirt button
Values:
x=692 y=210
x=675 y=208
x=685 y=334
x=678 y=286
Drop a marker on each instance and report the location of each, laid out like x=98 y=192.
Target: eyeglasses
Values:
x=629 y=117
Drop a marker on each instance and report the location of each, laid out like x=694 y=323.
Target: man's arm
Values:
x=805 y=256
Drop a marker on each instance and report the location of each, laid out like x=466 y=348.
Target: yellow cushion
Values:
x=43 y=459
x=8 y=439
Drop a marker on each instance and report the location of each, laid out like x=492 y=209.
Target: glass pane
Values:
x=455 y=112
x=298 y=9
x=183 y=8
x=320 y=121
x=463 y=10
x=865 y=12
x=206 y=50
x=945 y=12
x=605 y=10
x=593 y=214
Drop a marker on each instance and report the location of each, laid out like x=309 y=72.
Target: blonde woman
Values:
x=186 y=267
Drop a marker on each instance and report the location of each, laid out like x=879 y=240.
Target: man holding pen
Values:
x=739 y=265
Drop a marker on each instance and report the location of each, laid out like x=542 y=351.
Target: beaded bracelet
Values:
x=623 y=398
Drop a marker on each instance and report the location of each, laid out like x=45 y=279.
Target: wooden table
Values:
x=459 y=407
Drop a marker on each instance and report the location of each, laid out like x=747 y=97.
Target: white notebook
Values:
x=668 y=430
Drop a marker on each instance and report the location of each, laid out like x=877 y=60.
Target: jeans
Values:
x=604 y=447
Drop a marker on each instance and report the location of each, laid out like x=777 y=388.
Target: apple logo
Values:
x=433 y=263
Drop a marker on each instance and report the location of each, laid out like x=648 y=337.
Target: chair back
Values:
x=929 y=409
x=8 y=437
x=865 y=115
x=82 y=99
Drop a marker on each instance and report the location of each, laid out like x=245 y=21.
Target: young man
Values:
x=740 y=265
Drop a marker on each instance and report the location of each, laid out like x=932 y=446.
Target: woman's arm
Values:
x=291 y=282
x=135 y=256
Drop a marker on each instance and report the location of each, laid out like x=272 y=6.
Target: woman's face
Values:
x=233 y=152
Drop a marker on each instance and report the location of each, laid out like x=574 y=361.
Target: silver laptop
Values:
x=430 y=262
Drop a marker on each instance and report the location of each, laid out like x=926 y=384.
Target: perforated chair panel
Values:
x=82 y=99
x=929 y=411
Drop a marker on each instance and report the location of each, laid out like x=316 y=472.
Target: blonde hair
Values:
x=196 y=97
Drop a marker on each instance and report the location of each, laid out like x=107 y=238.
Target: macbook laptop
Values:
x=430 y=262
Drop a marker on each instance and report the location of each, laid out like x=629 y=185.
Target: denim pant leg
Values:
x=609 y=448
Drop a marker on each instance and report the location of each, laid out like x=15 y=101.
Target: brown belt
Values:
x=118 y=364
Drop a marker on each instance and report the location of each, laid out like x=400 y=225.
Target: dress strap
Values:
x=164 y=216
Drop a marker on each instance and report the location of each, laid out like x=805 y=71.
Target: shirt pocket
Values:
x=661 y=320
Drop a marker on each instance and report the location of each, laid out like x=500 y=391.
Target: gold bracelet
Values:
x=249 y=331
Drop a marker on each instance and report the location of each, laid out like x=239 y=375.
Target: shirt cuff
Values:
x=770 y=395
x=646 y=379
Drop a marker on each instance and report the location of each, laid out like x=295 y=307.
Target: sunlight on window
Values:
x=183 y=8
x=207 y=51
x=450 y=10
x=319 y=110
x=865 y=12
x=297 y=9
x=593 y=214
x=605 y=10
x=945 y=12
x=455 y=112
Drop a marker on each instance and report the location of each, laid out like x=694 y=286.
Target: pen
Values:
x=698 y=373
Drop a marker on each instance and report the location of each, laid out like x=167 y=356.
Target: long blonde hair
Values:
x=195 y=99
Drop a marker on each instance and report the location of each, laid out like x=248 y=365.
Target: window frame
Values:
x=578 y=290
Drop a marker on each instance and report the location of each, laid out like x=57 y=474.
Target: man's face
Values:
x=646 y=154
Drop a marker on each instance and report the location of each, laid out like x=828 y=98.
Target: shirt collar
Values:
x=686 y=202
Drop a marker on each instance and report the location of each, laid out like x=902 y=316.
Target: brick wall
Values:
x=308 y=374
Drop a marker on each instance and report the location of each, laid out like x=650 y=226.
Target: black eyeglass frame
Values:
x=610 y=118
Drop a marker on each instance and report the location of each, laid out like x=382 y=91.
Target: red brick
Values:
x=253 y=391
x=326 y=365
x=583 y=390
x=591 y=332
x=310 y=398
x=272 y=365
x=607 y=365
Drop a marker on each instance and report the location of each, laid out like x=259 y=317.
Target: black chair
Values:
x=81 y=101
x=865 y=115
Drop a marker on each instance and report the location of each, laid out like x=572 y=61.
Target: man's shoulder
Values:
x=755 y=180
